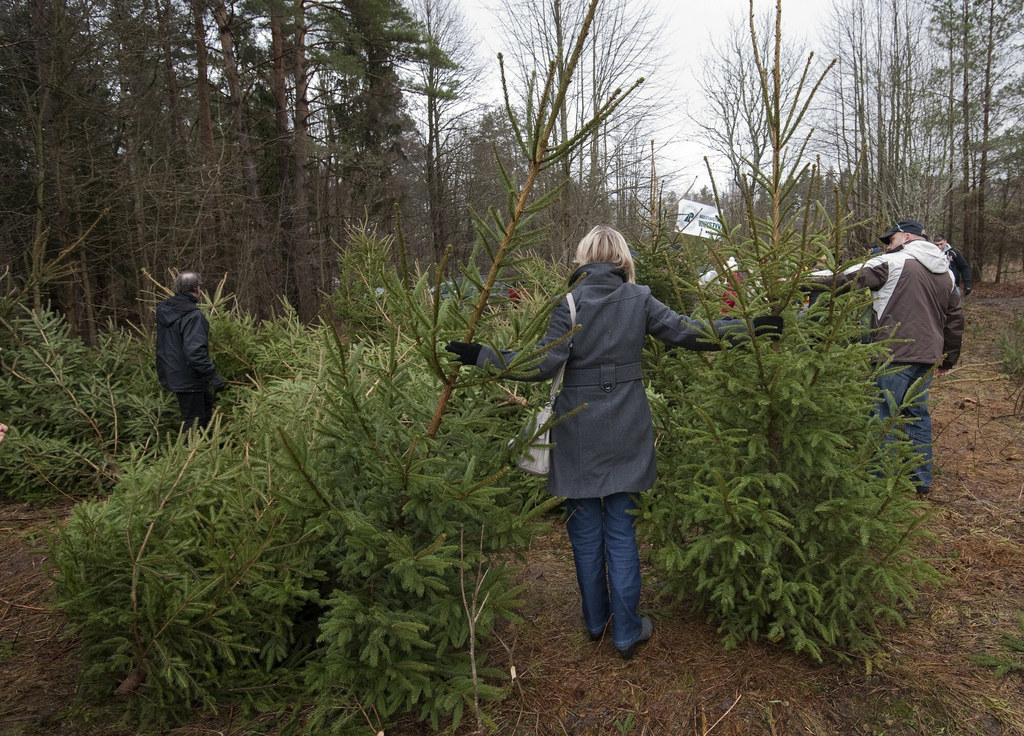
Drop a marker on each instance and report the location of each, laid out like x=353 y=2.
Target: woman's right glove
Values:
x=770 y=325
x=465 y=352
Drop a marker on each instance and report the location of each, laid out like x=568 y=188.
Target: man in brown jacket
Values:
x=916 y=303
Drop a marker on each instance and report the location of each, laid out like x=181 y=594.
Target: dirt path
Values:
x=38 y=670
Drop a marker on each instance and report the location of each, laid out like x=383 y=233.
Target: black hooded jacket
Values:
x=182 y=346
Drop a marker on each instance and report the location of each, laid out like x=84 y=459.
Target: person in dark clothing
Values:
x=183 y=354
x=604 y=455
x=957 y=264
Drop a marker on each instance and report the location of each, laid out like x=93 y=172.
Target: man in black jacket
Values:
x=183 y=352
x=957 y=264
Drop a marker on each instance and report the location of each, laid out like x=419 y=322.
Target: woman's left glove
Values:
x=466 y=352
x=770 y=325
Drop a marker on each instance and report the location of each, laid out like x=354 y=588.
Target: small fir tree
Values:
x=188 y=587
x=75 y=411
x=779 y=511
x=421 y=489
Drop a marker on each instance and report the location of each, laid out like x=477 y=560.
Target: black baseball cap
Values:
x=903 y=226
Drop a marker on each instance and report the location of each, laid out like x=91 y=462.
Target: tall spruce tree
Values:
x=413 y=463
x=780 y=511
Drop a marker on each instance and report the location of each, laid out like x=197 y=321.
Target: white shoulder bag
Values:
x=536 y=458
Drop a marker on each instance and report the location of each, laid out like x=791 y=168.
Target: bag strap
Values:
x=556 y=383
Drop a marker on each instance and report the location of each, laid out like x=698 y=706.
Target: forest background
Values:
x=242 y=139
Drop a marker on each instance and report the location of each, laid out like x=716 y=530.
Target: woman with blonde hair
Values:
x=604 y=454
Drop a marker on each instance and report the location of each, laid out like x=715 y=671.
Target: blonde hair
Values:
x=605 y=244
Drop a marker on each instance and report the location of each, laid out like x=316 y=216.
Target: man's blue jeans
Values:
x=894 y=387
x=607 y=563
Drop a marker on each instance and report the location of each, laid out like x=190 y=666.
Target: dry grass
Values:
x=37 y=671
x=924 y=681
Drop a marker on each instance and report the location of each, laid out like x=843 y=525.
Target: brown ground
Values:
x=925 y=680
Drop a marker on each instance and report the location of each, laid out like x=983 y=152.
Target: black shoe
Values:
x=924 y=490
x=646 y=629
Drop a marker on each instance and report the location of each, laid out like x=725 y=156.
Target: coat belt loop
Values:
x=608 y=378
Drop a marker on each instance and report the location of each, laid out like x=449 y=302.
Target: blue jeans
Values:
x=607 y=563
x=918 y=427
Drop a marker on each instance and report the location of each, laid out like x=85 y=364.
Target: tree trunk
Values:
x=279 y=259
x=204 y=118
x=209 y=210
x=306 y=267
x=965 y=160
x=279 y=87
x=44 y=142
x=977 y=249
x=252 y=265
x=165 y=12
x=947 y=220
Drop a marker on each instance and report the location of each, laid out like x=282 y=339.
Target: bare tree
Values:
x=446 y=80
x=738 y=121
x=252 y=262
x=916 y=109
x=734 y=123
x=982 y=42
x=308 y=266
x=625 y=44
x=881 y=118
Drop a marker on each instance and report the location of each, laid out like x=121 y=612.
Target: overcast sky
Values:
x=689 y=28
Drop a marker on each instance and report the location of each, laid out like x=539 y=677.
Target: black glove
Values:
x=218 y=384
x=769 y=325
x=467 y=352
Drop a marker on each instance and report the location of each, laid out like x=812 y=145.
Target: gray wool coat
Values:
x=608 y=446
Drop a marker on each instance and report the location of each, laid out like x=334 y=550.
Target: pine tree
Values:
x=75 y=410
x=779 y=511
x=420 y=490
x=191 y=584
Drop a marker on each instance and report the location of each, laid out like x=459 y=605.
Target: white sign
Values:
x=702 y=220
